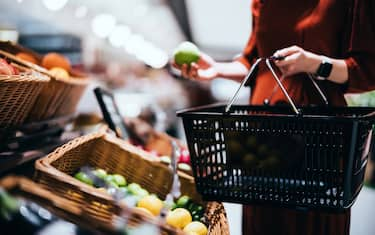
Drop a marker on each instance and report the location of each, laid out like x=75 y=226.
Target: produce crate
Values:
x=59 y=97
x=270 y=155
x=100 y=150
x=18 y=94
x=58 y=206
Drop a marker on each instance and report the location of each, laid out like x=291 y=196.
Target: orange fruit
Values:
x=53 y=59
x=27 y=57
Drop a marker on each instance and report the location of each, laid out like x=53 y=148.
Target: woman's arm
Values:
x=207 y=69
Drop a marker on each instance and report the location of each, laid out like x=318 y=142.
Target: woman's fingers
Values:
x=193 y=71
x=288 y=60
x=287 y=51
x=185 y=71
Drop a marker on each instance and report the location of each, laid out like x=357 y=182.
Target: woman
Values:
x=332 y=39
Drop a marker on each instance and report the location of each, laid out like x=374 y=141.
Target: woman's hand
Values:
x=204 y=70
x=297 y=60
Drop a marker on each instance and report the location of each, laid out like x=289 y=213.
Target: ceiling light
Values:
x=103 y=24
x=54 y=5
x=119 y=35
x=81 y=12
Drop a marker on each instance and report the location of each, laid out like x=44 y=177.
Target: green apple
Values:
x=186 y=53
x=119 y=180
x=100 y=173
x=165 y=159
x=133 y=188
x=83 y=177
x=142 y=193
x=183 y=201
x=184 y=167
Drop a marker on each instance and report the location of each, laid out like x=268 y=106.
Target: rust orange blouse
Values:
x=343 y=29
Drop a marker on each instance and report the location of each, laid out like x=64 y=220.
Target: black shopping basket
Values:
x=311 y=157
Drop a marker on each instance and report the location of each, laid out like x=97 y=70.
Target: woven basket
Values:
x=18 y=94
x=58 y=98
x=116 y=156
x=60 y=207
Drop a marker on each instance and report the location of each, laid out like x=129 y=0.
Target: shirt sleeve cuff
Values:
x=353 y=83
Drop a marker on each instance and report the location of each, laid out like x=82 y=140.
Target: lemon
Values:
x=151 y=203
x=179 y=218
x=144 y=211
x=59 y=72
x=192 y=233
x=196 y=228
x=186 y=53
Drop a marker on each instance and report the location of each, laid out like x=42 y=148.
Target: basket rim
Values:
x=30 y=187
x=202 y=110
x=24 y=77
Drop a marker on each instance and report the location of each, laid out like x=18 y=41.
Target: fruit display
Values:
x=27 y=57
x=7 y=69
x=182 y=214
x=53 y=59
x=146 y=181
x=186 y=53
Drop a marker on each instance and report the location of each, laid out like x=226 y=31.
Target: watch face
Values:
x=324 y=69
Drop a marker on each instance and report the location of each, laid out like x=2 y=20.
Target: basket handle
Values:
x=252 y=69
x=268 y=63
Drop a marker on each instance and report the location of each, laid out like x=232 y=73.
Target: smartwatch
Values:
x=325 y=69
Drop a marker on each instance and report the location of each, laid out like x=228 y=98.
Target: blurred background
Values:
x=125 y=45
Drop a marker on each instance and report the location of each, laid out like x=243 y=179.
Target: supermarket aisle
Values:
x=362 y=223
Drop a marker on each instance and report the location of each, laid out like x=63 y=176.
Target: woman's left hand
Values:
x=297 y=60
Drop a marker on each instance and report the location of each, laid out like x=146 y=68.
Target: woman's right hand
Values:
x=203 y=70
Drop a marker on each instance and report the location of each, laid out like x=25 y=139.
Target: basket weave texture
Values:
x=18 y=94
x=116 y=156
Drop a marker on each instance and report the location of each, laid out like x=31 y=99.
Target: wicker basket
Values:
x=60 y=207
x=18 y=94
x=58 y=98
x=116 y=156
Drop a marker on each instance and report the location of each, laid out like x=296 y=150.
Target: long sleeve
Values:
x=249 y=54
x=360 y=56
